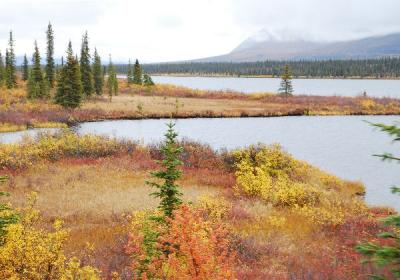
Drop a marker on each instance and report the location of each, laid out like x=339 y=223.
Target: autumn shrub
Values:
x=367 y=104
x=194 y=154
x=265 y=172
x=187 y=247
x=9 y=127
x=57 y=146
x=270 y=174
x=142 y=245
x=215 y=208
x=33 y=253
x=289 y=193
x=7 y=214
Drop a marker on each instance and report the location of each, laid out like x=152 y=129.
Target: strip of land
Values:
x=17 y=112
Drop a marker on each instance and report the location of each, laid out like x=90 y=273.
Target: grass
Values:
x=64 y=185
x=8 y=127
x=161 y=101
x=95 y=208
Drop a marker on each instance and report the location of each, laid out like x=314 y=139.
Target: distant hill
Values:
x=269 y=48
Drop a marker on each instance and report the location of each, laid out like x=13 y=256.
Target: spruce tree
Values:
x=2 y=70
x=97 y=73
x=11 y=77
x=115 y=83
x=37 y=85
x=147 y=80
x=25 y=69
x=50 y=65
x=286 y=88
x=130 y=73
x=168 y=192
x=86 y=69
x=6 y=68
x=387 y=255
x=137 y=73
x=112 y=81
x=69 y=85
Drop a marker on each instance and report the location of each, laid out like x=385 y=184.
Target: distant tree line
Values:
x=377 y=68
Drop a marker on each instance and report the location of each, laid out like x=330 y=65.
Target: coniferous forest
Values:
x=365 y=68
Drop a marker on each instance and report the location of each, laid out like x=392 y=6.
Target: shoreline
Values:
x=63 y=125
x=187 y=75
x=165 y=101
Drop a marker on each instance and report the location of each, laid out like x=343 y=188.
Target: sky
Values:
x=173 y=30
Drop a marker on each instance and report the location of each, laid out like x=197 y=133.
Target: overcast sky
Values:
x=170 y=30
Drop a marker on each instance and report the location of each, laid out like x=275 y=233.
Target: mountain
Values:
x=270 y=48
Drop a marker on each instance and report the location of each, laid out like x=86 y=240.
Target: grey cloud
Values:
x=169 y=21
x=26 y=17
x=320 y=20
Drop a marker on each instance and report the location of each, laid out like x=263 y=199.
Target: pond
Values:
x=342 y=145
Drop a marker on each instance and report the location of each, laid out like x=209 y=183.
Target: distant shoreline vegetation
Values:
x=382 y=68
x=269 y=76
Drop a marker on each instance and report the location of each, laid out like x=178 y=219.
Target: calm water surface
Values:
x=343 y=87
x=341 y=145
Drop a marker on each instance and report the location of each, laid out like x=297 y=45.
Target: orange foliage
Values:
x=191 y=248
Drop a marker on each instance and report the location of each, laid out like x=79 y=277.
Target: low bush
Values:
x=32 y=253
x=186 y=247
x=57 y=146
x=270 y=174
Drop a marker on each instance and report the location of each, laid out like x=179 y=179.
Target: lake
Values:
x=342 y=145
x=343 y=87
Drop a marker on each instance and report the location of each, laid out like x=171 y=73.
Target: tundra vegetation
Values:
x=252 y=213
x=18 y=112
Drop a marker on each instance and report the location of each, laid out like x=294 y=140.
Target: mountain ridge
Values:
x=251 y=50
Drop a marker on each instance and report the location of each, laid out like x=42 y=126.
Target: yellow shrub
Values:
x=8 y=127
x=274 y=161
x=321 y=215
x=289 y=193
x=49 y=125
x=54 y=147
x=215 y=207
x=268 y=173
x=333 y=210
x=265 y=174
x=33 y=253
x=367 y=104
x=74 y=271
x=253 y=181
